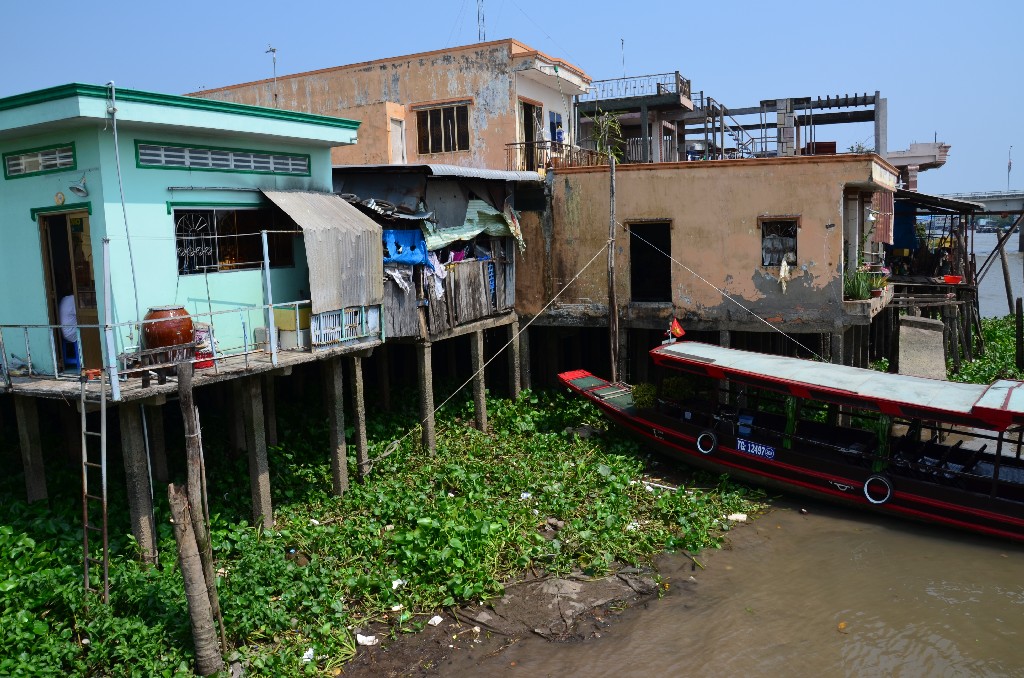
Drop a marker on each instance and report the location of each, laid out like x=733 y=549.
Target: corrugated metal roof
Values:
x=343 y=249
x=938 y=201
x=438 y=170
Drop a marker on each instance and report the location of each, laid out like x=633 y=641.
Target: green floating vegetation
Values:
x=423 y=532
x=999 y=361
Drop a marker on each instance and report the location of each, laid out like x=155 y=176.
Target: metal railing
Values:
x=530 y=156
x=637 y=86
x=38 y=342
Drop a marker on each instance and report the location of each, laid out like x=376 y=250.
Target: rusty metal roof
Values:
x=343 y=249
x=939 y=202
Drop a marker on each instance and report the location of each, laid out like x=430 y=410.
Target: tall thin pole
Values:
x=272 y=51
x=613 y=307
x=1009 y=166
x=481 y=26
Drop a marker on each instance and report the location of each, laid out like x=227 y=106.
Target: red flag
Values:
x=675 y=329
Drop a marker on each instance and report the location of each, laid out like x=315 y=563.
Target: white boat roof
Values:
x=1002 y=400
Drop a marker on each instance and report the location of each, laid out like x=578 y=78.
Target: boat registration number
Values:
x=756 y=449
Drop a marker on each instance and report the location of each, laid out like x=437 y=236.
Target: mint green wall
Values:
x=153 y=253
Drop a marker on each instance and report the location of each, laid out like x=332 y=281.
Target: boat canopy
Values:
x=994 y=407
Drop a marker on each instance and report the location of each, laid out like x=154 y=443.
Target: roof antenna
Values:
x=622 y=46
x=481 y=29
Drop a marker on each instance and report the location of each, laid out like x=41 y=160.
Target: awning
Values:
x=343 y=249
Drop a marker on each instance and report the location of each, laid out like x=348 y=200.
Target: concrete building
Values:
x=756 y=245
x=459 y=106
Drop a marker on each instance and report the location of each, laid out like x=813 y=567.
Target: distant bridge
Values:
x=999 y=202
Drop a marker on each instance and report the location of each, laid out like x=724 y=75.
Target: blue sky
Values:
x=951 y=69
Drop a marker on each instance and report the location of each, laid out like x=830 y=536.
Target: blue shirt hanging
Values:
x=404 y=247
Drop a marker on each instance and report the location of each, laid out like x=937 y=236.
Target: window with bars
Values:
x=220 y=159
x=778 y=240
x=39 y=160
x=216 y=239
x=443 y=129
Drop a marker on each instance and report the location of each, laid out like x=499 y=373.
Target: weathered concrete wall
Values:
x=713 y=208
x=374 y=146
x=481 y=74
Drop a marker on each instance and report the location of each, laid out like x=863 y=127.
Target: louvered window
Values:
x=154 y=155
x=37 y=161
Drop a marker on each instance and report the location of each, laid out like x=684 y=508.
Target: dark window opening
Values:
x=778 y=241
x=650 y=269
x=442 y=129
x=211 y=240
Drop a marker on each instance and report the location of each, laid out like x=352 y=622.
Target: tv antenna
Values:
x=481 y=29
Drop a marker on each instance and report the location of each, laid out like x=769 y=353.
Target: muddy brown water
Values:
x=829 y=592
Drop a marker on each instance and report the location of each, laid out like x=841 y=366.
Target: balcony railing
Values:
x=530 y=156
x=637 y=86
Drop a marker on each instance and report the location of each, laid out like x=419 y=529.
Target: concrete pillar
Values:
x=525 y=373
x=270 y=408
x=157 y=444
x=645 y=134
x=359 y=406
x=476 y=350
x=256 y=443
x=137 y=480
x=881 y=125
x=425 y=377
x=336 y=419
x=31 y=448
x=515 y=378
x=837 y=347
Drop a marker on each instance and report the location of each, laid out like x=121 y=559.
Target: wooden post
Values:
x=136 y=471
x=1007 y=282
x=31 y=448
x=157 y=444
x=479 y=387
x=270 y=408
x=256 y=443
x=336 y=421
x=525 y=377
x=514 y=358
x=359 y=407
x=196 y=487
x=204 y=637
x=613 y=306
x=425 y=375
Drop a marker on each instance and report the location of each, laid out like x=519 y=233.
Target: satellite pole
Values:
x=1009 y=166
x=273 y=52
x=481 y=29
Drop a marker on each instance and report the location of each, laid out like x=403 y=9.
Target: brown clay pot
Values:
x=174 y=327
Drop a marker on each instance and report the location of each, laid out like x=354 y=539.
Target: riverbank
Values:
x=549 y=491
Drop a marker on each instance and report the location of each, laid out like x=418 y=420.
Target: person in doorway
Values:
x=68 y=317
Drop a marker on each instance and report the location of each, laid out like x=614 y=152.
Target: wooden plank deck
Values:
x=230 y=367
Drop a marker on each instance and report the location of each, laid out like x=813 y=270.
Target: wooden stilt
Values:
x=479 y=386
x=31 y=448
x=157 y=444
x=525 y=376
x=515 y=379
x=425 y=376
x=336 y=419
x=359 y=407
x=137 y=480
x=256 y=443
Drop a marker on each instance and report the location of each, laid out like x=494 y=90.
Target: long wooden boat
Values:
x=920 y=448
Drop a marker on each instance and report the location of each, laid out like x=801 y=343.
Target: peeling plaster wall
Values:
x=481 y=73
x=713 y=208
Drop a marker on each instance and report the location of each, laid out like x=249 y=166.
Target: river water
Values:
x=826 y=592
x=829 y=592
x=992 y=292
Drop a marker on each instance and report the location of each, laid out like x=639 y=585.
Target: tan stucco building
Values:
x=458 y=106
x=775 y=234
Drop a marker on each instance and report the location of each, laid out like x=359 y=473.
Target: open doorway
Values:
x=532 y=124
x=650 y=269
x=71 y=288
